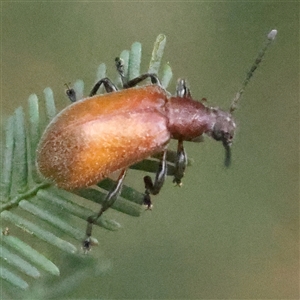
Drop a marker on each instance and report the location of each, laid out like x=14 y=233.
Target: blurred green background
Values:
x=226 y=233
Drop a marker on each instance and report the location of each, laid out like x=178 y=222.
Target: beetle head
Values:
x=223 y=130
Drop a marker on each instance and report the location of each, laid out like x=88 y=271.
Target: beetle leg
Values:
x=108 y=85
x=133 y=82
x=108 y=202
x=71 y=93
x=182 y=90
x=180 y=164
x=154 y=188
x=120 y=69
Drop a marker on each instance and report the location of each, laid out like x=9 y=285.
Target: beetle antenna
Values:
x=227 y=160
x=270 y=38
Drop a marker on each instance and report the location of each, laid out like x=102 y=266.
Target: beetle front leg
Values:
x=182 y=89
x=108 y=202
x=154 y=188
x=180 y=164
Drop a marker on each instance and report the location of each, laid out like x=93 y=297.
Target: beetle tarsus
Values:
x=227 y=161
x=180 y=164
x=147 y=201
x=71 y=93
x=120 y=69
x=86 y=245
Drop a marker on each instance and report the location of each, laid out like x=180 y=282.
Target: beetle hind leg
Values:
x=108 y=202
x=154 y=188
x=135 y=81
x=108 y=85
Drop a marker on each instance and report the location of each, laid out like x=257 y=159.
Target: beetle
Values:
x=101 y=134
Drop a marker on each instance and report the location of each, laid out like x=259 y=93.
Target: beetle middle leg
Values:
x=180 y=163
x=182 y=91
x=110 y=199
x=154 y=188
x=133 y=82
